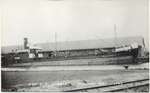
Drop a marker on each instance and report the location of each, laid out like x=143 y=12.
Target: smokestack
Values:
x=26 y=43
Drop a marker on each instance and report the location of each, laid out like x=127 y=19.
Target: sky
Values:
x=71 y=20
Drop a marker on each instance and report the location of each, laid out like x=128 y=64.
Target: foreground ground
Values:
x=54 y=76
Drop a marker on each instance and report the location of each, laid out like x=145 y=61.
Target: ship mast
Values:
x=115 y=34
x=55 y=43
x=115 y=41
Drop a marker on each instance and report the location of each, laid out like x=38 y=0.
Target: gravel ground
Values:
x=15 y=78
x=138 y=89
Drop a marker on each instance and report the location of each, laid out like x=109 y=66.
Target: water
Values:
x=60 y=68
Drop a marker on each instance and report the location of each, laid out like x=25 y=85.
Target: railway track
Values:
x=112 y=87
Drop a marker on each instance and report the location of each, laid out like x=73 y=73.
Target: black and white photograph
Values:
x=74 y=46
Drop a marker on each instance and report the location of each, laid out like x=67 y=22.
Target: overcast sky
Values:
x=72 y=20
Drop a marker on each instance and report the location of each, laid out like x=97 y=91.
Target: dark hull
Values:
x=79 y=62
